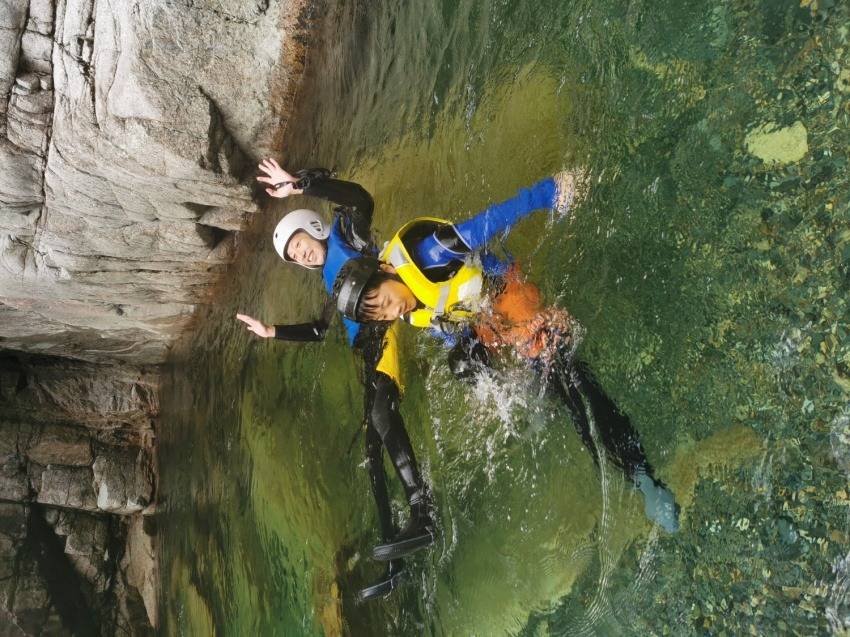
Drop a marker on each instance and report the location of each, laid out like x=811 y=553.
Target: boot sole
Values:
x=387 y=552
x=381 y=589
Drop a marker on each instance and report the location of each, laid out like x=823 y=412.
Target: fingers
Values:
x=273 y=192
x=268 y=165
x=266 y=180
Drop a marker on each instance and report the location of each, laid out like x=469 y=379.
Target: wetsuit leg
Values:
x=387 y=421
x=613 y=427
x=386 y=418
x=378 y=482
x=561 y=385
x=395 y=572
x=573 y=382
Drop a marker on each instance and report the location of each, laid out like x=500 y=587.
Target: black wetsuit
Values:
x=384 y=424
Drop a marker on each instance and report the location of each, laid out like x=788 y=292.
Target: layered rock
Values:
x=128 y=135
x=76 y=478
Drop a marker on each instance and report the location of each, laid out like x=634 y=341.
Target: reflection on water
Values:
x=708 y=267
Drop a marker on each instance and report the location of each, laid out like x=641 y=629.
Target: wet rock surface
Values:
x=128 y=136
x=76 y=480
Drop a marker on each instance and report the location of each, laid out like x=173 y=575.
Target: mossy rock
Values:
x=778 y=146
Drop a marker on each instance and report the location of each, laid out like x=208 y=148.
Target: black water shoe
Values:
x=418 y=534
x=392 y=579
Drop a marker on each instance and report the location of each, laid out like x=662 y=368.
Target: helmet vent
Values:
x=317 y=226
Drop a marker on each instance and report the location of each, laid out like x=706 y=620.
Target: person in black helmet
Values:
x=485 y=308
x=303 y=237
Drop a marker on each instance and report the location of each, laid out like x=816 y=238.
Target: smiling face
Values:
x=305 y=250
x=387 y=302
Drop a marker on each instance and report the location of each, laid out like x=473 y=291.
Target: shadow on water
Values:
x=708 y=267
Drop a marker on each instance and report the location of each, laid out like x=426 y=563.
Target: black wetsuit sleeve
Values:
x=354 y=204
x=307 y=332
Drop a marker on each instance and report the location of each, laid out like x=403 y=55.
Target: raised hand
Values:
x=572 y=187
x=277 y=176
x=259 y=328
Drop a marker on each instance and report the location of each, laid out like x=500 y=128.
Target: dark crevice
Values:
x=65 y=588
x=214 y=236
x=198 y=208
x=224 y=155
x=22 y=383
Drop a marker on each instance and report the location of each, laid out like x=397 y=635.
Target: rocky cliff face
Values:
x=128 y=134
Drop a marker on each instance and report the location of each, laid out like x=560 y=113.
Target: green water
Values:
x=708 y=266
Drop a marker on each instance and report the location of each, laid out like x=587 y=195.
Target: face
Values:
x=392 y=299
x=305 y=250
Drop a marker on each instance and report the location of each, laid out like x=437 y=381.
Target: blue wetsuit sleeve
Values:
x=501 y=217
x=450 y=338
x=493 y=265
x=446 y=338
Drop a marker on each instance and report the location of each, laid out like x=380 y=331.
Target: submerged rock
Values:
x=778 y=146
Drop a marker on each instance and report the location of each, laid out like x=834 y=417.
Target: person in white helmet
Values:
x=303 y=237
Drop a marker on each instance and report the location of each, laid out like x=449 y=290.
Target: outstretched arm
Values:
x=299 y=332
x=450 y=242
x=354 y=203
x=499 y=218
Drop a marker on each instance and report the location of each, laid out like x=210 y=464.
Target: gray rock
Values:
x=13 y=484
x=13 y=477
x=28 y=81
x=55 y=390
x=31 y=606
x=128 y=141
x=13 y=15
x=61 y=445
x=122 y=481
x=36 y=47
x=153 y=117
x=40 y=16
x=224 y=218
x=86 y=538
x=66 y=487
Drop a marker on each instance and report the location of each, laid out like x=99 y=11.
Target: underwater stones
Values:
x=842 y=82
x=778 y=146
x=839 y=439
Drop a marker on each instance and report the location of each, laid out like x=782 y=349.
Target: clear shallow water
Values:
x=708 y=267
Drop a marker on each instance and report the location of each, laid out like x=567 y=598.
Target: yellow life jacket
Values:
x=456 y=299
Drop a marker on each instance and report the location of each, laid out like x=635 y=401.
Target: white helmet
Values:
x=306 y=220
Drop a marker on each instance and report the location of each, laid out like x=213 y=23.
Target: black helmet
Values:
x=351 y=282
